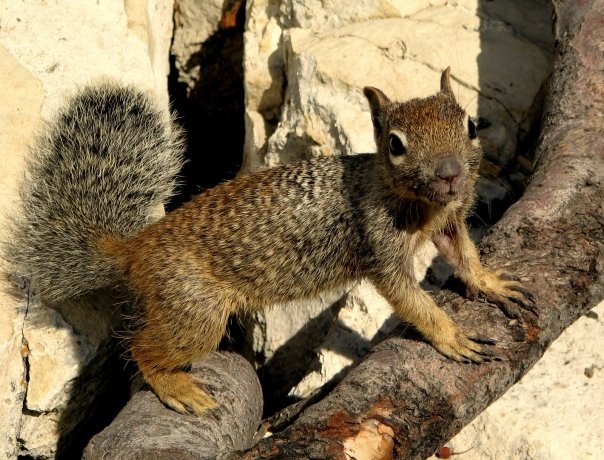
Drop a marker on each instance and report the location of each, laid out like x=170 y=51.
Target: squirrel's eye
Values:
x=397 y=147
x=471 y=129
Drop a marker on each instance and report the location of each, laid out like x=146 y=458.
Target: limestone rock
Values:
x=324 y=112
x=194 y=23
x=326 y=65
x=46 y=52
x=20 y=102
x=264 y=61
x=75 y=42
x=317 y=15
x=263 y=68
x=41 y=433
x=53 y=345
x=206 y=87
x=281 y=340
x=364 y=319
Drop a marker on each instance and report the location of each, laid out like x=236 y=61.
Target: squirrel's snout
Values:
x=448 y=169
x=449 y=179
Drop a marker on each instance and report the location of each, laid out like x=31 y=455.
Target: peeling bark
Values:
x=405 y=400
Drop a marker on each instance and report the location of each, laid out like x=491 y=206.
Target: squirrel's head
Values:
x=426 y=147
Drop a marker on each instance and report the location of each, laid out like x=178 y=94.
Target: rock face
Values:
x=207 y=89
x=326 y=55
x=195 y=23
x=21 y=99
x=305 y=67
x=46 y=51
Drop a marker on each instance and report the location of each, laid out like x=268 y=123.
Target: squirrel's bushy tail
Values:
x=100 y=169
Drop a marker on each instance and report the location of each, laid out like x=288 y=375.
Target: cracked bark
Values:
x=405 y=400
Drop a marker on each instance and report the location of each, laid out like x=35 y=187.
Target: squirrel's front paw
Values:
x=462 y=347
x=504 y=290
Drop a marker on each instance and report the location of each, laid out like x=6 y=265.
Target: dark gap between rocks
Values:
x=212 y=112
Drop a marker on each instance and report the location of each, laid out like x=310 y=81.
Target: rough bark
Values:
x=145 y=429
x=404 y=400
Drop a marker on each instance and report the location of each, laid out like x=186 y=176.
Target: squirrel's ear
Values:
x=378 y=102
x=445 y=83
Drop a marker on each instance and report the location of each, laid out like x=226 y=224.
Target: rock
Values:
x=207 y=90
x=364 y=318
x=301 y=346
x=194 y=23
x=325 y=112
x=326 y=67
x=41 y=434
x=264 y=78
x=529 y=20
x=85 y=40
x=53 y=345
x=264 y=60
x=316 y=15
x=281 y=341
x=46 y=52
x=555 y=411
x=21 y=97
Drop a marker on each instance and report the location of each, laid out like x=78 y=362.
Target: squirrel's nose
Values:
x=448 y=168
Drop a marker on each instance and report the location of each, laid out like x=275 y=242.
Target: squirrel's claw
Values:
x=513 y=305
x=482 y=339
x=467 y=348
x=181 y=392
x=504 y=290
x=509 y=308
x=487 y=354
x=526 y=298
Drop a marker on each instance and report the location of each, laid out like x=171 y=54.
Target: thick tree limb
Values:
x=145 y=429
x=404 y=400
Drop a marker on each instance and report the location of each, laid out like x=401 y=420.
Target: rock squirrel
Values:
x=275 y=235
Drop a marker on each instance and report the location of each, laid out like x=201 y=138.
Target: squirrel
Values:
x=275 y=235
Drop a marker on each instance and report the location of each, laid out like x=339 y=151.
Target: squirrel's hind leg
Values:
x=168 y=340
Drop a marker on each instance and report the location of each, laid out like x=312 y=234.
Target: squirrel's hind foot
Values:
x=180 y=391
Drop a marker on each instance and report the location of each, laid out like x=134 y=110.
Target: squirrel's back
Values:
x=275 y=234
x=102 y=166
